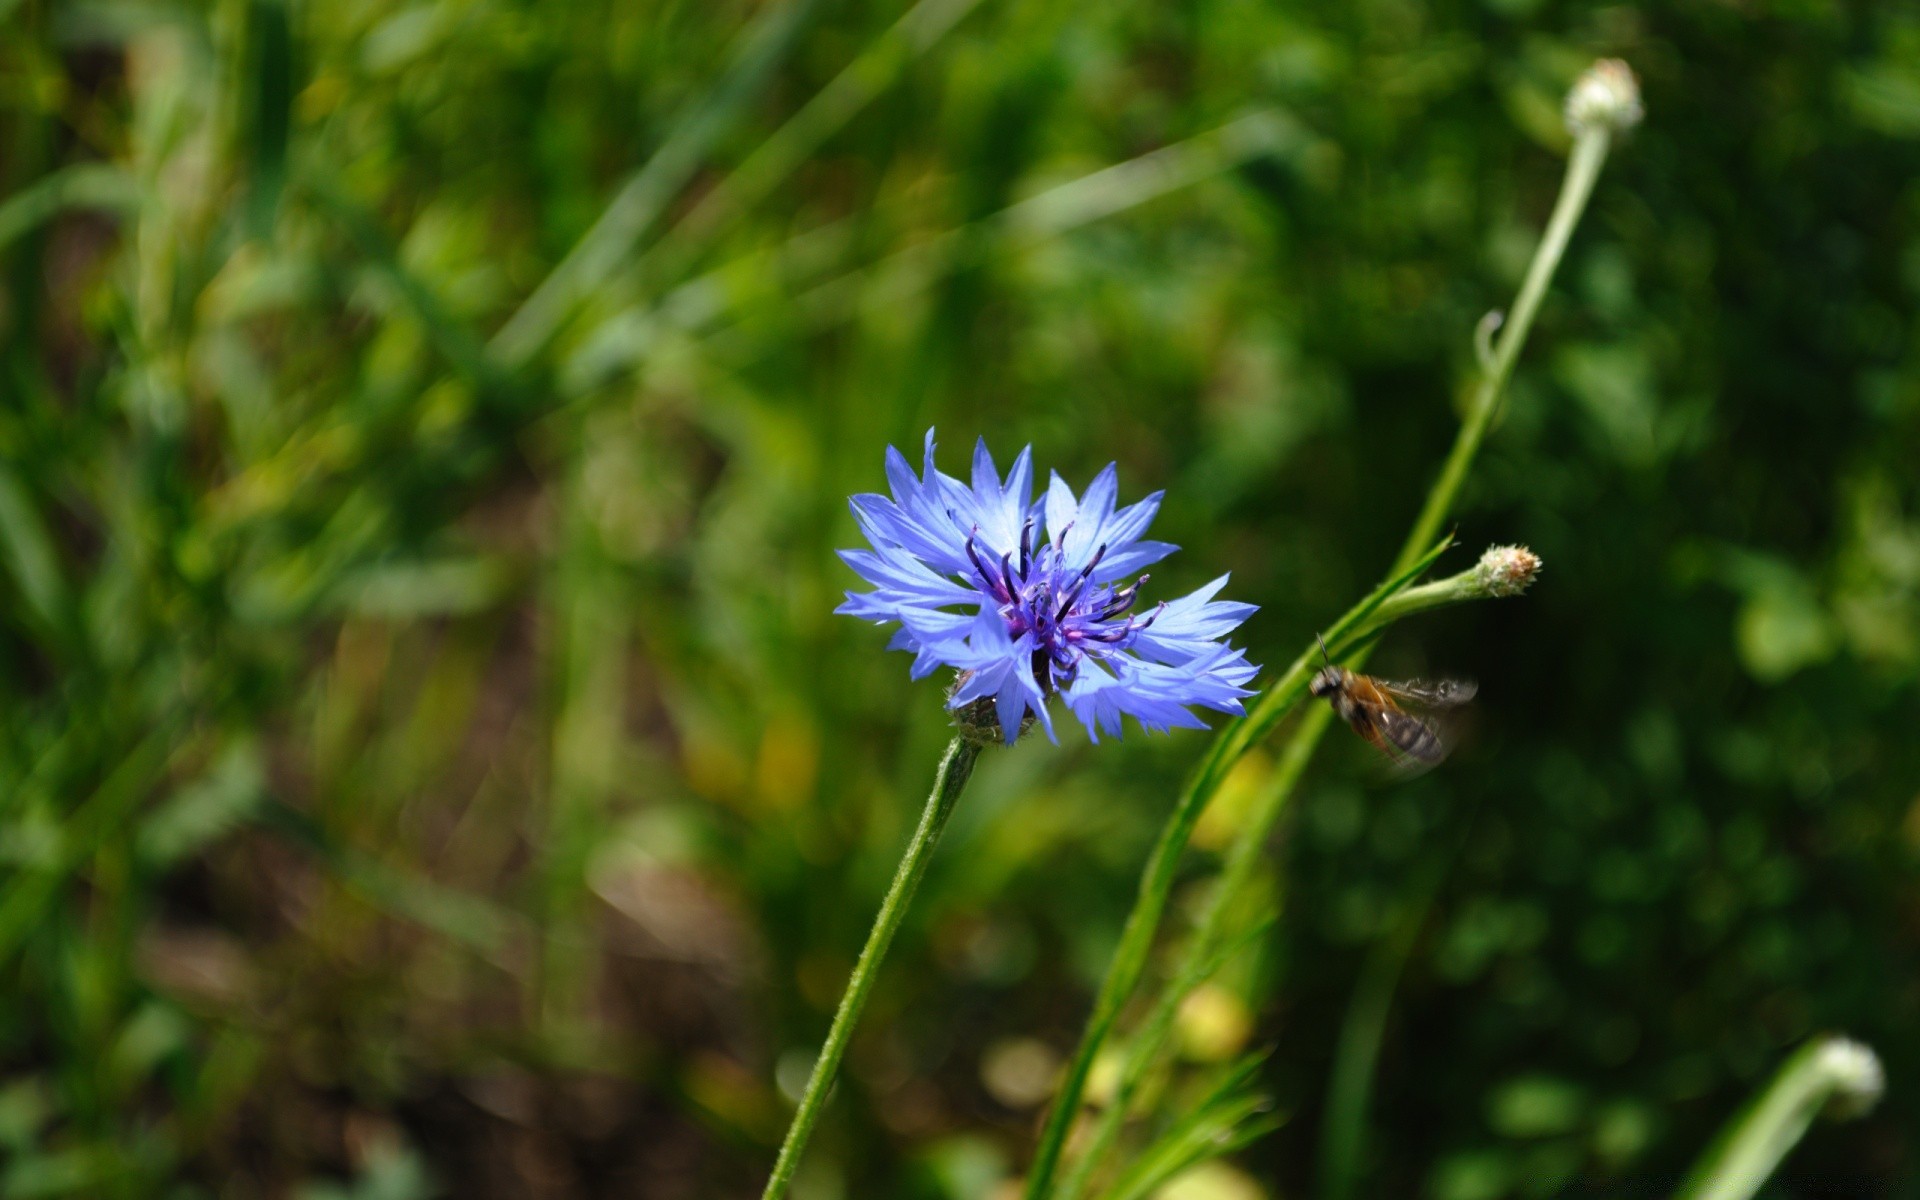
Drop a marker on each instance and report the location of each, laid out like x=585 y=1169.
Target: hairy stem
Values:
x=956 y=766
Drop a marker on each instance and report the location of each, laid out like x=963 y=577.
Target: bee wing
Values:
x=1443 y=693
x=1412 y=739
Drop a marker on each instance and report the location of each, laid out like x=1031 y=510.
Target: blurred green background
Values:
x=429 y=763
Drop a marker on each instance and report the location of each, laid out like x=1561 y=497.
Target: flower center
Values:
x=1068 y=615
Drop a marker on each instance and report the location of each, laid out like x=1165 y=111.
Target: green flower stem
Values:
x=1156 y=880
x=956 y=766
x=1202 y=956
x=1129 y=961
x=1828 y=1073
x=1583 y=171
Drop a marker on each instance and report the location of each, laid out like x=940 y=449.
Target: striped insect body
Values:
x=1398 y=718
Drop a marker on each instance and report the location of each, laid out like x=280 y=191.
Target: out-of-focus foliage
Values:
x=428 y=760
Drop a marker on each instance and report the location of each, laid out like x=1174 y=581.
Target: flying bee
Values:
x=1373 y=707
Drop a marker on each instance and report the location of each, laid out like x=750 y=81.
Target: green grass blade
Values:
x=641 y=200
x=85 y=185
x=786 y=149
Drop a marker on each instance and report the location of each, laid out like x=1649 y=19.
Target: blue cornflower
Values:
x=974 y=585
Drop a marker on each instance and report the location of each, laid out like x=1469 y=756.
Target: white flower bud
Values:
x=1856 y=1074
x=1606 y=96
x=1506 y=570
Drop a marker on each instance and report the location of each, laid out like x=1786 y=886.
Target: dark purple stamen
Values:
x=1080 y=582
x=1123 y=600
x=986 y=576
x=1026 y=547
x=1134 y=625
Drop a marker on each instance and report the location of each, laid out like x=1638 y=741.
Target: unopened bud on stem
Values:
x=1856 y=1074
x=1507 y=570
x=1607 y=96
x=1502 y=571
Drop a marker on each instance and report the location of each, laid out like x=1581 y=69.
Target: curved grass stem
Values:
x=1828 y=1073
x=956 y=766
x=1129 y=961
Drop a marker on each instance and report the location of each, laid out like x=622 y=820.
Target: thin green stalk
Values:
x=1829 y=1073
x=1156 y=880
x=1592 y=140
x=1195 y=968
x=1228 y=1117
x=956 y=766
x=1583 y=171
x=1357 y=1052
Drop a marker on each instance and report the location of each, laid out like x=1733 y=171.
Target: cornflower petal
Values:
x=1191 y=625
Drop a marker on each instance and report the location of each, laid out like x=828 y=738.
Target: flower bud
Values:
x=1506 y=570
x=1856 y=1075
x=1606 y=96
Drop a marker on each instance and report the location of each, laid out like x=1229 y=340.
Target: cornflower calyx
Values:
x=1053 y=586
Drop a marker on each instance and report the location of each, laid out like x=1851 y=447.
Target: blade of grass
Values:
x=27 y=894
x=640 y=201
x=858 y=84
x=470 y=920
x=1052 y=212
x=591 y=613
x=720 y=305
x=1357 y=1050
x=1227 y=1118
x=27 y=551
x=269 y=116
x=85 y=185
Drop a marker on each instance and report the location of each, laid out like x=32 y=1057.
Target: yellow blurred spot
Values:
x=1227 y=812
x=728 y=1091
x=1020 y=1072
x=1214 y=1023
x=712 y=766
x=361 y=655
x=1212 y=1181
x=789 y=759
x=443 y=408
x=321 y=96
x=1103 y=1080
x=1911 y=826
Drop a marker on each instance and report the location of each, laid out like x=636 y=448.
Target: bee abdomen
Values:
x=1413 y=737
